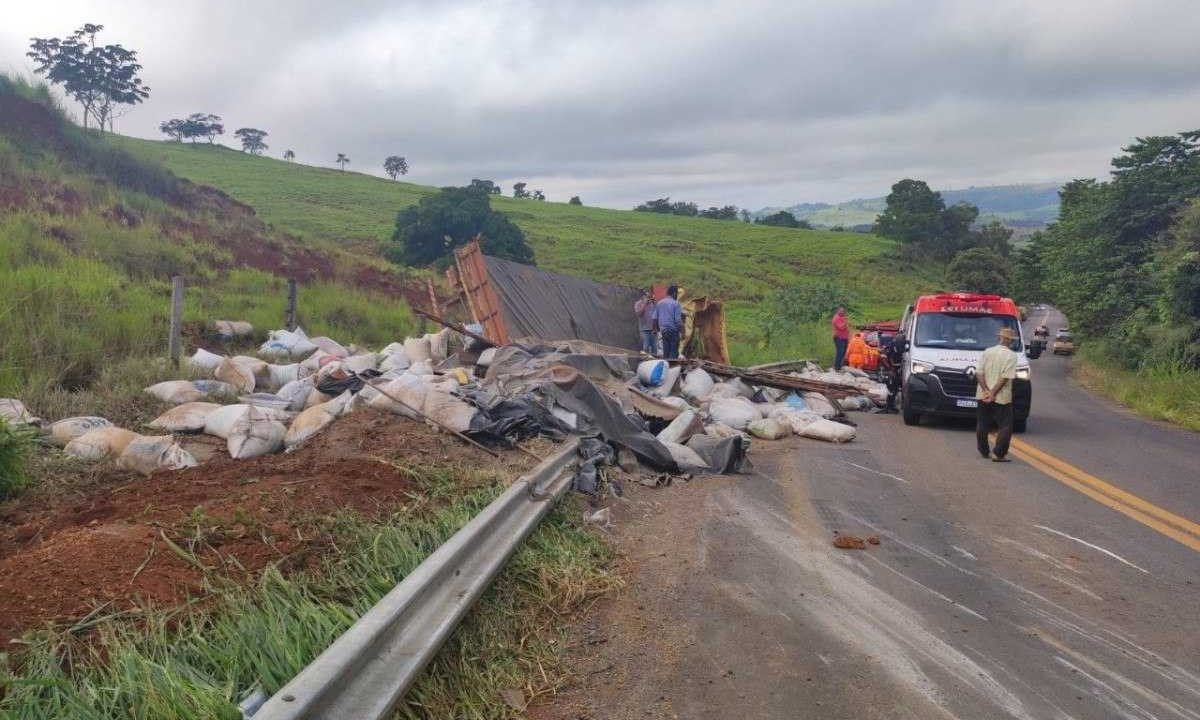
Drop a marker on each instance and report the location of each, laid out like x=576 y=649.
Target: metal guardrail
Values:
x=367 y=670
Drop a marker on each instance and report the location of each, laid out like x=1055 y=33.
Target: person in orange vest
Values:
x=856 y=352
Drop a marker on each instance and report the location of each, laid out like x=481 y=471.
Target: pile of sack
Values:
x=733 y=407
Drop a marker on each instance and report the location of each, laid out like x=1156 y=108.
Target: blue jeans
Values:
x=670 y=340
x=839 y=352
x=649 y=342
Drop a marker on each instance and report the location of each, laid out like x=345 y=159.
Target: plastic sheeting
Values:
x=536 y=303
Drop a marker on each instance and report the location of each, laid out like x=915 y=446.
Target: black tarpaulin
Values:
x=541 y=304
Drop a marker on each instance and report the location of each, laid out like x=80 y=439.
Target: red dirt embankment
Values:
x=63 y=556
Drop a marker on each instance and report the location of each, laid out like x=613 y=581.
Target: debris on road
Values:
x=849 y=542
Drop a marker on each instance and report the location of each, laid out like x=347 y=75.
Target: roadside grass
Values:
x=195 y=661
x=744 y=265
x=1160 y=392
x=14 y=454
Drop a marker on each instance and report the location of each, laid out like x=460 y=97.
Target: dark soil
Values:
x=63 y=556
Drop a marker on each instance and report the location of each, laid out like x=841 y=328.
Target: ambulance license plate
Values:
x=968 y=403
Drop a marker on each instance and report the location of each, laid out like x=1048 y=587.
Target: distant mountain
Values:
x=1022 y=207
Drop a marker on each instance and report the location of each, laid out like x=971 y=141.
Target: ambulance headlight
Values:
x=921 y=367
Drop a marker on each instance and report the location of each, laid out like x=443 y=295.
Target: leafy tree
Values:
x=1027 y=271
x=429 y=231
x=729 y=212
x=539 y=195
x=993 y=236
x=173 y=129
x=574 y=200
x=661 y=205
x=485 y=186
x=289 y=155
x=745 y=216
x=807 y=301
x=519 y=190
x=980 y=270
x=200 y=125
x=395 y=166
x=912 y=215
x=783 y=218
x=252 y=140
x=98 y=77
x=342 y=160
x=686 y=209
x=956 y=231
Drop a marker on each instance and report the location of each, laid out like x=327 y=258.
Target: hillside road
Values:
x=1065 y=584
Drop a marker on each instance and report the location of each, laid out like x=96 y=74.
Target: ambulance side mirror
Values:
x=900 y=340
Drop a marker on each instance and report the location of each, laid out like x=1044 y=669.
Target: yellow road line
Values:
x=1152 y=516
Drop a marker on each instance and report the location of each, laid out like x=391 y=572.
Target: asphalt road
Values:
x=1062 y=585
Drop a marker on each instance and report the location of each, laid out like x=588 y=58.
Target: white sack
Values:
x=220 y=422
x=819 y=404
x=315 y=398
x=280 y=375
x=64 y=431
x=175 y=392
x=315 y=419
x=724 y=391
x=721 y=431
x=421 y=367
x=408 y=389
x=265 y=400
x=331 y=346
x=394 y=361
x=737 y=413
x=486 y=357
x=239 y=375
x=652 y=373
x=254 y=433
x=359 y=363
x=188 y=417
x=685 y=425
x=449 y=411
x=209 y=388
x=295 y=394
x=697 y=384
x=205 y=360
x=100 y=443
x=770 y=429
x=417 y=349
x=829 y=431
x=393 y=348
x=285 y=344
x=856 y=402
x=13 y=412
x=439 y=345
x=685 y=457
x=233 y=328
x=312 y=363
x=148 y=454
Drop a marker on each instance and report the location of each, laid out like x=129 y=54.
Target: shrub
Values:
x=430 y=230
x=805 y=302
x=14 y=448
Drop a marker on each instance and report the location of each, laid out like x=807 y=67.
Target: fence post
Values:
x=289 y=320
x=175 y=339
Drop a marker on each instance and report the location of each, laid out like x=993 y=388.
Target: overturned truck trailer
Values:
x=512 y=301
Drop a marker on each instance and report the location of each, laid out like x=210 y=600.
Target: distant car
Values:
x=1061 y=333
x=1063 y=344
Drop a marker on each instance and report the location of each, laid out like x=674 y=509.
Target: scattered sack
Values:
x=417 y=349
x=312 y=363
x=819 y=404
x=64 y=431
x=13 y=412
x=295 y=394
x=220 y=422
x=279 y=375
x=449 y=411
x=286 y=344
x=148 y=454
x=697 y=384
x=486 y=358
x=230 y=329
x=652 y=372
x=188 y=417
x=829 y=431
x=856 y=402
x=848 y=542
x=394 y=361
x=769 y=429
x=204 y=360
x=683 y=427
x=737 y=413
x=331 y=346
x=265 y=400
x=315 y=419
x=669 y=381
x=359 y=363
x=315 y=398
x=721 y=431
x=408 y=389
x=100 y=443
x=211 y=388
x=175 y=392
x=392 y=348
x=685 y=457
x=254 y=433
x=439 y=345
x=239 y=375
x=421 y=367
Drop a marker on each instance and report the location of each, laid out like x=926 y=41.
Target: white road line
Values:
x=964 y=553
x=925 y=587
x=1109 y=553
x=876 y=472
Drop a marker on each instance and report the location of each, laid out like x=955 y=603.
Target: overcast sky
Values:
x=734 y=101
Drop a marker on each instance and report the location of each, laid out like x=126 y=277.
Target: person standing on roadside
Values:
x=841 y=337
x=670 y=322
x=993 y=380
x=644 y=309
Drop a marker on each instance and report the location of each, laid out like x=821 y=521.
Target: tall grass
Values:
x=14 y=449
x=193 y=664
x=1162 y=392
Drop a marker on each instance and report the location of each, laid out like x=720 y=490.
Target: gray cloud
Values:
x=751 y=103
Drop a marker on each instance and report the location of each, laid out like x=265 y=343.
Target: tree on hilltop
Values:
x=980 y=270
x=745 y=215
x=99 y=78
x=519 y=190
x=486 y=186
x=342 y=160
x=429 y=231
x=252 y=140
x=729 y=212
x=539 y=195
x=173 y=129
x=783 y=218
x=395 y=166
x=574 y=200
x=289 y=155
x=202 y=125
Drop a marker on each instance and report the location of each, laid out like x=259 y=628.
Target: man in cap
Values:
x=993 y=379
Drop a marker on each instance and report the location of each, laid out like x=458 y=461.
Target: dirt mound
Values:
x=61 y=557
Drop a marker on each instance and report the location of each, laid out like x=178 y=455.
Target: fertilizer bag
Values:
x=64 y=431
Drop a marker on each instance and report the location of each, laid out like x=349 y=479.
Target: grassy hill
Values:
x=743 y=264
x=1019 y=206
x=90 y=236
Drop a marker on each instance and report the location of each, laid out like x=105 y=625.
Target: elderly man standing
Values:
x=993 y=380
x=644 y=309
x=670 y=322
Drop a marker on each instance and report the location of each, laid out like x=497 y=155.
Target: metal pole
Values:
x=175 y=338
x=290 y=319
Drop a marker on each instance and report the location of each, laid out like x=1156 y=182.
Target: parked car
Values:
x=1063 y=344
